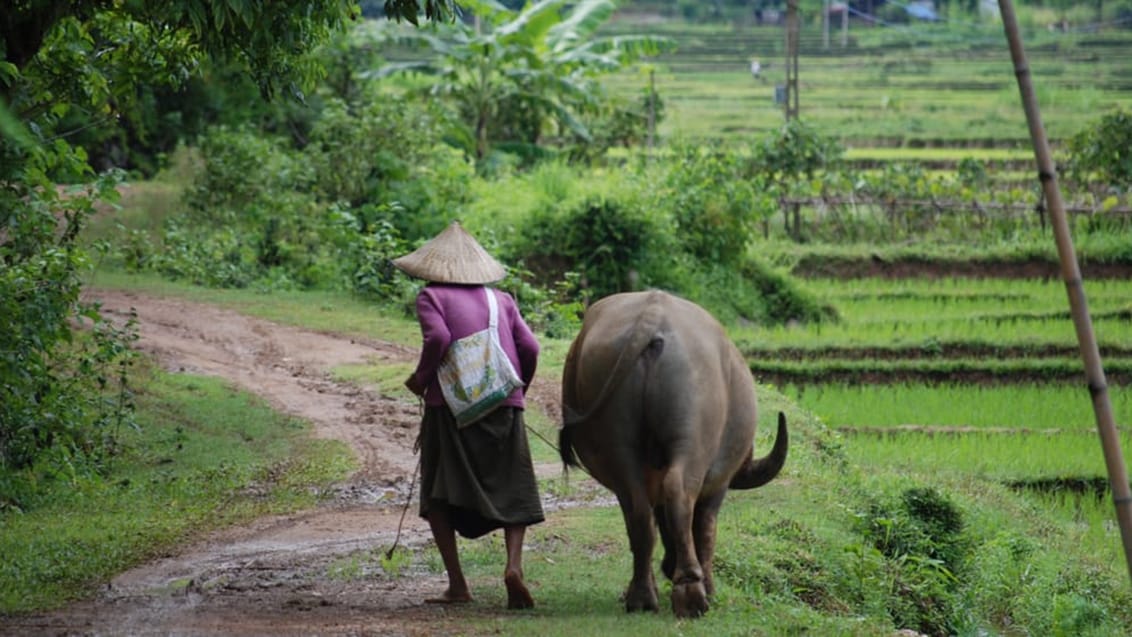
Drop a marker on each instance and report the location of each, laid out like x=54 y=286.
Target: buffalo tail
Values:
x=755 y=473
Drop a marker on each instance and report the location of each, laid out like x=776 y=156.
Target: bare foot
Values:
x=518 y=597
x=451 y=597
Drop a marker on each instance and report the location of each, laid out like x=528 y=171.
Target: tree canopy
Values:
x=516 y=73
x=69 y=66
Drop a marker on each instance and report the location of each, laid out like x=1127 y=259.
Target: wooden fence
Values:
x=919 y=212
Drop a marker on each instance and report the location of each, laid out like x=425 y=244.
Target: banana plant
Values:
x=534 y=70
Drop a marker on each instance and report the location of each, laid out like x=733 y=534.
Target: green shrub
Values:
x=796 y=152
x=239 y=167
x=714 y=205
x=613 y=245
x=554 y=310
x=922 y=540
x=1122 y=14
x=330 y=215
x=1015 y=582
x=893 y=14
x=249 y=216
x=620 y=123
x=1104 y=152
x=278 y=236
x=367 y=260
x=385 y=154
x=783 y=299
x=64 y=392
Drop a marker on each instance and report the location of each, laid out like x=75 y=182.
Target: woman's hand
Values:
x=413 y=385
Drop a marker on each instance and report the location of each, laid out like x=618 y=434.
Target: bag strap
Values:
x=492 y=310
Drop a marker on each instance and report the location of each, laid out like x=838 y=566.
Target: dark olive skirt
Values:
x=483 y=472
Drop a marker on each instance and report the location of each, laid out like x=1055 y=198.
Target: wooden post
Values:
x=652 y=111
x=845 y=25
x=797 y=222
x=825 y=25
x=792 y=30
x=1071 y=274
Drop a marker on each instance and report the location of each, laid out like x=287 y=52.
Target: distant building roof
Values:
x=922 y=11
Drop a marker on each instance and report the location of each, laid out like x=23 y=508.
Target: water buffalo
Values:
x=660 y=407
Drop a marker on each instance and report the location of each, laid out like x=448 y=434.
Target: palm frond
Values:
x=584 y=19
x=533 y=22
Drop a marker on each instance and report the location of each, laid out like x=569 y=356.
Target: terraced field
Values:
x=979 y=377
x=909 y=86
x=974 y=378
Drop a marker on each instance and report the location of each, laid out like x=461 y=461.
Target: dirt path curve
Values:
x=313 y=573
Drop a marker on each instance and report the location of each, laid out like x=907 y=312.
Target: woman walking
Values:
x=478 y=477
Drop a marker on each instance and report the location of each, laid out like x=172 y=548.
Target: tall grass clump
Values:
x=1015 y=581
x=922 y=534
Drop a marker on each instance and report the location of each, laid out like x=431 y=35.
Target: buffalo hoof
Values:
x=689 y=600
x=641 y=599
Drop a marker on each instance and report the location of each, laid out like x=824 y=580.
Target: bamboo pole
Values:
x=791 y=59
x=1071 y=274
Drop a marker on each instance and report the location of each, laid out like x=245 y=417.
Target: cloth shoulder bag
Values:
x=475 y=374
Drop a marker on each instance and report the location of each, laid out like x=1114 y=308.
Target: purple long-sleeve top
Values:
x=450 y=312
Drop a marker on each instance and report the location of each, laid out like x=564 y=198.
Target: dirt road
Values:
x=315 y=573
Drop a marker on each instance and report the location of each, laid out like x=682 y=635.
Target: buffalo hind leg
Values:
x=689 y=597
x=668 y=562
x=641 y=594
x=703 y=532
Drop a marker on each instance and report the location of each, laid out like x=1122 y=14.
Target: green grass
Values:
x=1036 y=292
x=1031 y=407
x=986 y=456
x=578 y=562
x=790 y=559
x=145 y=205
x=928 y=314
x=1000 y=430
x=200 y=443
x=818 y=260
x=886 y=154
x=588 y=602
x=975 y=372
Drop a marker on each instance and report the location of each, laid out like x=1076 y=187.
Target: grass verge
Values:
x=204 y=456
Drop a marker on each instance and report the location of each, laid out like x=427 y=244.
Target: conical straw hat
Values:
x=453 y=256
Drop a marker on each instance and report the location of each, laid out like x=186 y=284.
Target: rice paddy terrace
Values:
x=979 y=378
x=911 y=86
x=986 y=332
